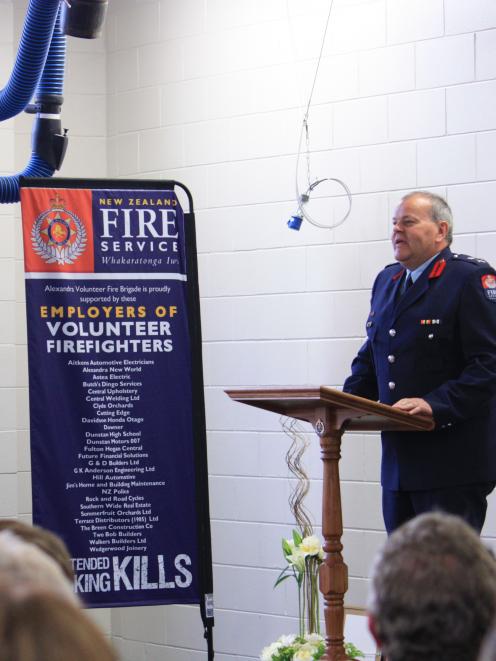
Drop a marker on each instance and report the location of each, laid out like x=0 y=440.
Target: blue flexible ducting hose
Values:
x=50 y=83
x=31 y=57
x=9 y=186
x=52 y=78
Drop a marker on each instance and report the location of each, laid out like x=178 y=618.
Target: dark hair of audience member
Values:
x=43 y=627
x=433 y=593
x=47 y=541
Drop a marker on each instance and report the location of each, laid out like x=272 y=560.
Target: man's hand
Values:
x=414 y=405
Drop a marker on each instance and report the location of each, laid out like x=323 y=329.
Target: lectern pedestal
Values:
x=331 y=412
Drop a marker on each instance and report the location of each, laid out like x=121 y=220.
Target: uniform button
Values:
x=369 y=324
x=391 y=358
x=392 y=332
x=392 y=385
x=430 y=336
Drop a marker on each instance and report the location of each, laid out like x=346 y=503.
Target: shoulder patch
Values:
x=488 y=282
x=476 y=261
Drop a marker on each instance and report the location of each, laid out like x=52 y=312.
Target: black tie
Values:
x=405 y=284
x=408 y=283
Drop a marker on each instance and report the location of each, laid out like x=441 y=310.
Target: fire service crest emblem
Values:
x=58 y=235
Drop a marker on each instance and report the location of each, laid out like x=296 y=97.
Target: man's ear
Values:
x=373 y=630
x=443 y=226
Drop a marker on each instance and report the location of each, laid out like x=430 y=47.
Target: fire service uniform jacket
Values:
x=436 y=341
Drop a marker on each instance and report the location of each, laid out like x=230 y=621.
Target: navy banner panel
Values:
x=115 y=396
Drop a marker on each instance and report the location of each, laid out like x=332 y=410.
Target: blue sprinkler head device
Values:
x=294 y=223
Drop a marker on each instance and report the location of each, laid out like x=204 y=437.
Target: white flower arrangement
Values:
x=304 y=555
x=309 y=647
x=294 y=648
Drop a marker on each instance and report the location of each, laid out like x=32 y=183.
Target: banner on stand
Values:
x=115 y=387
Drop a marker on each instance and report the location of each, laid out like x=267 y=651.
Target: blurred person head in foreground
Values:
x=47 y=541
x=45 y=627
x=40 y=616
x=25 y=569
x=433 y=593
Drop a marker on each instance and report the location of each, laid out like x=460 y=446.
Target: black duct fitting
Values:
x=49 y=142
x=47 y=104
x=83 y=18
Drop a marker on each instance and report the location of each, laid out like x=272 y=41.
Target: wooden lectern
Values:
x=331 y=412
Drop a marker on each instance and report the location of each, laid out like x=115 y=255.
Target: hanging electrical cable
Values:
x=303 y=198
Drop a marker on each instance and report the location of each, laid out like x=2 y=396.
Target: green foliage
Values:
x=352 y=652
x=283 y=576
x=285 y=654
x=286 y=548
x=297 y=538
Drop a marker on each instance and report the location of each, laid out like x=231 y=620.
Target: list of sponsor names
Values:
x=113 y=468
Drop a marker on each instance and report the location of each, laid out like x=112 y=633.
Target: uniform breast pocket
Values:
x=434 y=350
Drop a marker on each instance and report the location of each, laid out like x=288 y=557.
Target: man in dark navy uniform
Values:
x=431 y=349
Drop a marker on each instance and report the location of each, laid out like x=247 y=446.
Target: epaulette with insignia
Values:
x=477 y=261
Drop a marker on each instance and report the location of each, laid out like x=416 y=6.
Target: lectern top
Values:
x=349 y=412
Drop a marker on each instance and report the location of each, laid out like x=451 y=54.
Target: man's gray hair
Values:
x=440 y=209
x=433 y=591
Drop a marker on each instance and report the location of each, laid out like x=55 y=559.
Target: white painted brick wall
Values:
x=414 y=21
x=445 y=61
x=360 y=122
x=461 y=16
x=404 y=99
x=446 y=160
x=471 y=107
x=387 y=70
x=212 y=93
x=485 y=54
x=417 y=114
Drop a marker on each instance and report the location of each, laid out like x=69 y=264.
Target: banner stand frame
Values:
x=199 y=424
